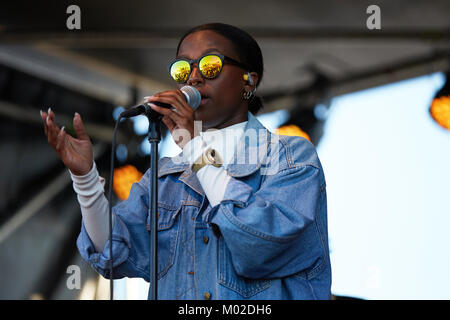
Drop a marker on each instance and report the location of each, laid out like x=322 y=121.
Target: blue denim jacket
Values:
x=266 y=240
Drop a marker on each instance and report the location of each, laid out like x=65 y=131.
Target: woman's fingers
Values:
x=178 y=96
x=60 y=140
x=169 y=123
x=180 y=118
x=183 y=115
x=44 y=119
x=79 y=127
x=52 y=130
x=55 y=135
x=174 y=116
x=175 y=99
x=76 y=154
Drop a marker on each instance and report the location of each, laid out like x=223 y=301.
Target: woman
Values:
x=248 y=222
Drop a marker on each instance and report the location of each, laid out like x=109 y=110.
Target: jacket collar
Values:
x=245 y=161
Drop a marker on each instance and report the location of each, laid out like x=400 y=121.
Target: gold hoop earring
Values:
x=247 y=95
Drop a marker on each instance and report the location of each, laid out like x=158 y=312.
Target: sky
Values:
x=387 y=167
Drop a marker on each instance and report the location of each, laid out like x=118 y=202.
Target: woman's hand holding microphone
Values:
x=179 y=121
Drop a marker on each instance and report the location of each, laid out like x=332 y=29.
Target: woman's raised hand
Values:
x=75 y=153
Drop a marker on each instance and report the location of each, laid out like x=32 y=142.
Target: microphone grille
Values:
x=193 y=96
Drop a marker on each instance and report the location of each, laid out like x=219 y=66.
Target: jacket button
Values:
x=207 y=295
x=205 y=239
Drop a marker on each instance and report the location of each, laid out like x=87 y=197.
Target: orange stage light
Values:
x=292 y=130
x=440 y=111
x=124 y=177
x=440 y=106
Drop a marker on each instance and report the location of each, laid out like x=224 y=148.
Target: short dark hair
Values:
x=246 y=48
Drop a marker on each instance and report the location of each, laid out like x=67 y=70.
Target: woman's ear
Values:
x=251 y=79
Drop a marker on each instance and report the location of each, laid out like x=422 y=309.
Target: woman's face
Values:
x=224 y=105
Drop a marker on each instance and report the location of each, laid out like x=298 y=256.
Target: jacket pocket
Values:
x=167 y=236
x=229 y=278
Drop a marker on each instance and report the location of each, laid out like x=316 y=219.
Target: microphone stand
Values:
x=154 y=137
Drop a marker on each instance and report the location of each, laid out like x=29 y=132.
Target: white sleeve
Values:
x=213 y=180
x=94 y=206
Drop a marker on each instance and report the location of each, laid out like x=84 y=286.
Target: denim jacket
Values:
x=267 y=239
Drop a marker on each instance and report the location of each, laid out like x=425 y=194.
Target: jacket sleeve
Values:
x=271 y=232
x=130 y=238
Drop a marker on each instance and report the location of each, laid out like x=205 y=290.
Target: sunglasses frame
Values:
x=224 y=59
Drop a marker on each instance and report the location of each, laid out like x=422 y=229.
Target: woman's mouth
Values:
x=204 y=100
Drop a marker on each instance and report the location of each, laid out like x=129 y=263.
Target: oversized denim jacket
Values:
x=267 y=239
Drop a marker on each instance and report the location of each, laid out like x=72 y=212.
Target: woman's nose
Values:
x=195 y=76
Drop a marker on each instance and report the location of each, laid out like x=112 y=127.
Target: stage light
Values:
x=117 y=111
x=121 y=153
x=124 y=177
x=292 y=130
x=440 y=106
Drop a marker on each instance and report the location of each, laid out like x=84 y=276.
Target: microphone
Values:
x=192 y=95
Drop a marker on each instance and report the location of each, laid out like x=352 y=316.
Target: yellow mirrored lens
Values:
x=180 y=71
x=210 y=66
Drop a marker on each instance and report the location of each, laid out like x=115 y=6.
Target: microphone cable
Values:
x=111 y=179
